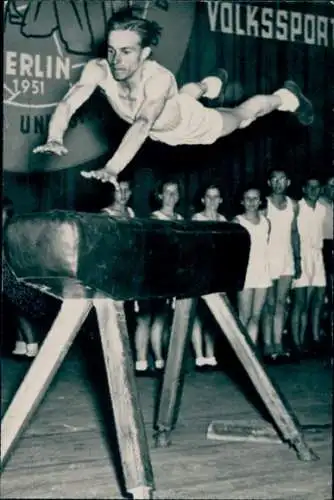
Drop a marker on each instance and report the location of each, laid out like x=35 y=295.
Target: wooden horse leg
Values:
x=58 y=341
x=238 y=337
x=129 y=422
x=173 y=377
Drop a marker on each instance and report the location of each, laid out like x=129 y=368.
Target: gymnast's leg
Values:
x=289 y=98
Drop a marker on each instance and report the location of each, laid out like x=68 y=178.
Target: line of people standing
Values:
x=290 y=266
x=285 y=280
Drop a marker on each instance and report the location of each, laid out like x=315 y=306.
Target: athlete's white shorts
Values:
x=313 y=269
x=198 y=125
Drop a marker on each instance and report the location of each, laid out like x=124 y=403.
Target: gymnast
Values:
x=145 y=95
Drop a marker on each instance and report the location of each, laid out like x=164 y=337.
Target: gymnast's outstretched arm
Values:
x=78 y=94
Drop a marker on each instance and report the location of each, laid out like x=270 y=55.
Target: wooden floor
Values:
x=69 y=450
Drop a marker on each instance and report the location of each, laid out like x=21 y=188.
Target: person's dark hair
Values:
x=111 y=190
x=126 y=19
x=160 y=186
x=201 y=192
x=248 y=187
x=311 y=176
x=271 y=171
x=207 y=187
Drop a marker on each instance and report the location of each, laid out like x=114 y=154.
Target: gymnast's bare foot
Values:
x=103 y=175
x=51 y=147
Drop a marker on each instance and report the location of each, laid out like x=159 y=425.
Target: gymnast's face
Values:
x=251 y=200
x=278 y=182
x=212 y=199
x=170 y=195
x=125 y=54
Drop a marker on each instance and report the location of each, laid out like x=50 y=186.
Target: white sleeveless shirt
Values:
x=200 y=216
x=258 y=275
x=310 y=225
x=158 y=214
x=280 y=225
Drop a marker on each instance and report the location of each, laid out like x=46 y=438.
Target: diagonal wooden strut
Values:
x=135 y=456
x=174 y=377
x=56 y=345
x=238 y=338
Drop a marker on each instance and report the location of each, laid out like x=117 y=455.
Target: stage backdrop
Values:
x=46 y=44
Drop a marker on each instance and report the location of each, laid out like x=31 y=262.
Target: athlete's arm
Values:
x=269 y=229
x=78 y=94
x=155 y=97
x=295 y=240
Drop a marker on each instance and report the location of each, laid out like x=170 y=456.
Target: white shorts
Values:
x=313 y=269
x=281 y=264
x=199 y=125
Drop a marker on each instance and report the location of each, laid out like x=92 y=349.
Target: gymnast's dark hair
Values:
x=126 y=19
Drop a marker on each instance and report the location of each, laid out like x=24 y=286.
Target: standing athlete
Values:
x=284 y=260
x=145 y=95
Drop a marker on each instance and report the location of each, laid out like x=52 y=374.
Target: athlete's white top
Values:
x=328 y=221
x=280 y=245
x=257 y=275
x=182 y=121
x=200 y=216
x=158 y=214
x=310 y=225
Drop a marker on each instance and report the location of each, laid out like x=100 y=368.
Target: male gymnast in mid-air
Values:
x=145 y=95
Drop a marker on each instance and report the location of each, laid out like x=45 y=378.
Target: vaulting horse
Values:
x=92 y=260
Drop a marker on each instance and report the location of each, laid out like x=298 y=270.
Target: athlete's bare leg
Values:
x=274 y=315
x=289 y=98
x=142 y=339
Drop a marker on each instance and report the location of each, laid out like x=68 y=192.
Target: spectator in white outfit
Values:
x=119 y=208
x=257 y=282
x=153 y=315
x=309 y=289
x=284 y=261
x=202 y=341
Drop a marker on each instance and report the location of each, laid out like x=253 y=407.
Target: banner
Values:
x=271 y=23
